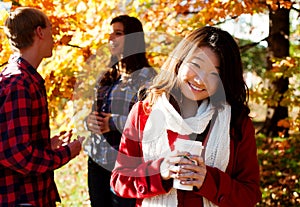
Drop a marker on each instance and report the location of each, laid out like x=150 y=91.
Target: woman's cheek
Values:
x=213 y=85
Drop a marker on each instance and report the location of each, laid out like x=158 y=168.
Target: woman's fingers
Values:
x=170 y=166
x=93 y=122
x=192 y=178
x=191 y=174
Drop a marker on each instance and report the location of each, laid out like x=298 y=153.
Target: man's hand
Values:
x=62 y=139
x=76 y=145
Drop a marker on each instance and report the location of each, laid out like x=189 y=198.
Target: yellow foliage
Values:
x=5 y=50
x=80 y=31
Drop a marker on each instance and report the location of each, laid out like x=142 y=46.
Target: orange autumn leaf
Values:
x=65 y=39
x=283 y=123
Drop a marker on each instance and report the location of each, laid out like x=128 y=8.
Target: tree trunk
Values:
x=278 y=42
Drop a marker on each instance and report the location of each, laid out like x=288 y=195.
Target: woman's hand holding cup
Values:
x=185 y=165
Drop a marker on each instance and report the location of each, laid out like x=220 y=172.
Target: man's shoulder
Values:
x=11 y=70
x=12 y=75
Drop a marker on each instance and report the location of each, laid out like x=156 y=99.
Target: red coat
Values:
x=135 y=178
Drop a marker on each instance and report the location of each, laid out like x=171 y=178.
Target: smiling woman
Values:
x=116 y=39
x=198 y=75
x=115 y=93
x=199 y=95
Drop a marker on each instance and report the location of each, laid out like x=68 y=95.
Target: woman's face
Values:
x=116 y=39
x=198 y=75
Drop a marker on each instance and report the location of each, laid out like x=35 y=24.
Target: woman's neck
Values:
x=189 y=108
x=121 y=68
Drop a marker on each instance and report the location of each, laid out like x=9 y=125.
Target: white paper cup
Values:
x=193 y=147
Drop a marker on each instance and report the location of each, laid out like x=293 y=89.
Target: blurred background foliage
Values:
x=81 y=28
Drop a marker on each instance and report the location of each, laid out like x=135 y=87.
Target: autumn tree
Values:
x=80 y=54
x=80 y=30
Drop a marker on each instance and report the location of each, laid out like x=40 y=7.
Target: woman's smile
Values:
x=195 y=88
x=113 y=44
x=199 y=76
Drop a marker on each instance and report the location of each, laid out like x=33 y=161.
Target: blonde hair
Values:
x=20 y=26
x=166 y=80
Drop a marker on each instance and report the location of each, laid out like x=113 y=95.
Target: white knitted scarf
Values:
x=155 y=142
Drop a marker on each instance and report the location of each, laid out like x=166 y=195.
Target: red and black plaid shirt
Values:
x=27 y=161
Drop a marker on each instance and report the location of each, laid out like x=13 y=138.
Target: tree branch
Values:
x=3 y=64
x=76 y=46
x=296 y=9
x=243 y=48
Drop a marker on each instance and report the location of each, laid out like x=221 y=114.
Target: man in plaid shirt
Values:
x=28 y=157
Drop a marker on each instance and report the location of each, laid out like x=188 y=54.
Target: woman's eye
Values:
x=195 y=64
x=215 y=74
